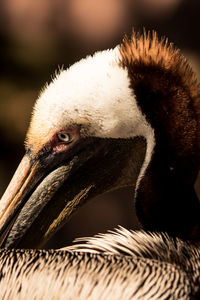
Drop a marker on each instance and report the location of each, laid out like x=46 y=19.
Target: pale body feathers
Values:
x=113 y=272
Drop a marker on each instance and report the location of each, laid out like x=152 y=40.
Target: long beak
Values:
x=37 y=203
x=23 y=180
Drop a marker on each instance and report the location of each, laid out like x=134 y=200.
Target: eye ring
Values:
x=64 y=137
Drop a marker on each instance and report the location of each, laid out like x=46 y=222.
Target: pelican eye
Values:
x=64 y=137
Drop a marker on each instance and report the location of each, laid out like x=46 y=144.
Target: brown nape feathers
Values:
x=163 y=69
x=146 y=49
x=160 y=59
x=168 y=94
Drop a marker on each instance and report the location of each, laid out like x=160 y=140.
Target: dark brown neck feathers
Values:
x=168 y=94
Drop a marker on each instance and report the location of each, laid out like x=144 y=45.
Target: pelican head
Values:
x=122 y=117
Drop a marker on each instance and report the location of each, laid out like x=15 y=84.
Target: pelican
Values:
x=122 y=117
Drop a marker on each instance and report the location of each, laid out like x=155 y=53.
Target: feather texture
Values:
x=118 y=265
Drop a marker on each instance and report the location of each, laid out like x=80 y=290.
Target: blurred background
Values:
x=36 y=37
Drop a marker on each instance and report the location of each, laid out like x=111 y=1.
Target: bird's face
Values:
x=93 y=94
x=87 y=136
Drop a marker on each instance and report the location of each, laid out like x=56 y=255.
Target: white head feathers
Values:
x=94 y=93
